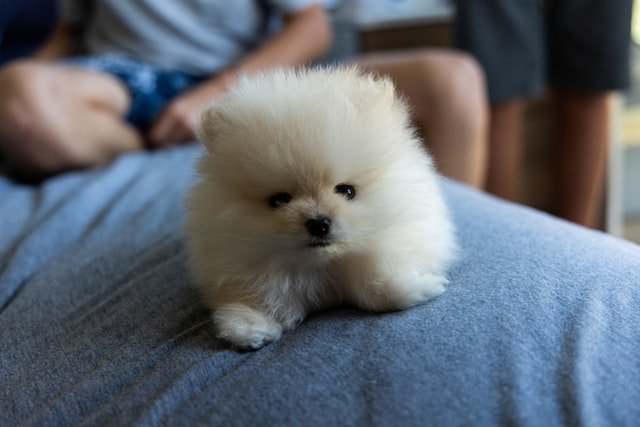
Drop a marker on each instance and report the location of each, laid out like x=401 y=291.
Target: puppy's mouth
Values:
x=318 y=243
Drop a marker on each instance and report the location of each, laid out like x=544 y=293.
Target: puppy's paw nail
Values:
x=430 y=285
x=256 y=340
x=246 y=327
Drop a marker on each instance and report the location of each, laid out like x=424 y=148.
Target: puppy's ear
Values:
x=384 y=86
x=212 y=119
x=371 y=90
x=381 y=88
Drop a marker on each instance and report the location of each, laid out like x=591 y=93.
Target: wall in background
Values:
x=368 y=14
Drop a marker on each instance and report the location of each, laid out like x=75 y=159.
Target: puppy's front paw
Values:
x=398 y=293
x=245 y=327
x=421 y=288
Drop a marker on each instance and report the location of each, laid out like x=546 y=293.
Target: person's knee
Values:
x=457 y=80
x=24 y=87
x=29 y=129
x=453 y=95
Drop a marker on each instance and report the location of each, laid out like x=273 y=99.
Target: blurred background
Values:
x=365 y=26
x=408 y=24
x=630 y=139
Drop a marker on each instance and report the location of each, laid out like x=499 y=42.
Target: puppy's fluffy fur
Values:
x=315 y=190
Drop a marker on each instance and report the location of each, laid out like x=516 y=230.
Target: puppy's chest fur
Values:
x=290 y=295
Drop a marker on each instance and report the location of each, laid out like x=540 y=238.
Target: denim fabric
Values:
x=99 y=324
x=150 y=87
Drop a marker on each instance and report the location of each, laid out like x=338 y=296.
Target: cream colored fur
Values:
x=304 y=132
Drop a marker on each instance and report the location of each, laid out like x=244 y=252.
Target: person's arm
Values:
x=63 y=41
x=305 y=36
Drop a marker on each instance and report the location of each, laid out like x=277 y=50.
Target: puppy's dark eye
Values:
x=348 y=191
x=279 y=199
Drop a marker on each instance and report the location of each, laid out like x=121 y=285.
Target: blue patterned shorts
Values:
x=150 y=87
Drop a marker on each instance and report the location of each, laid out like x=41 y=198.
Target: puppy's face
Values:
x=285 y=202
x=305 y=173
x=316 y=212
x=310 y=221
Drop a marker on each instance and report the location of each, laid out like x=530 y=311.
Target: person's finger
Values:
x=179 y=133
x=176 y=124
x=161 y=130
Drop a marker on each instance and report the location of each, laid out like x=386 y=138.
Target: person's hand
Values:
x=177 y=122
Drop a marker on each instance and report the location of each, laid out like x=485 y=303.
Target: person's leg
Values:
x=508 y=39
x=445 y=91
x=505 y=149
x=55 y=118
x=589 y=47
x=582 y=144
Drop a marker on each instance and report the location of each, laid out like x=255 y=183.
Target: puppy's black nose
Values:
x=319 y=226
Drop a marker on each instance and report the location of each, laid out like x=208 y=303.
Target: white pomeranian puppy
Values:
x=314 y=191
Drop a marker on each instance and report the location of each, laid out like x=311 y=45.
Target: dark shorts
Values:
x=150 y=87
x=581 y=45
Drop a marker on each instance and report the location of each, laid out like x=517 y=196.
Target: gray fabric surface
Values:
x=99 y=324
